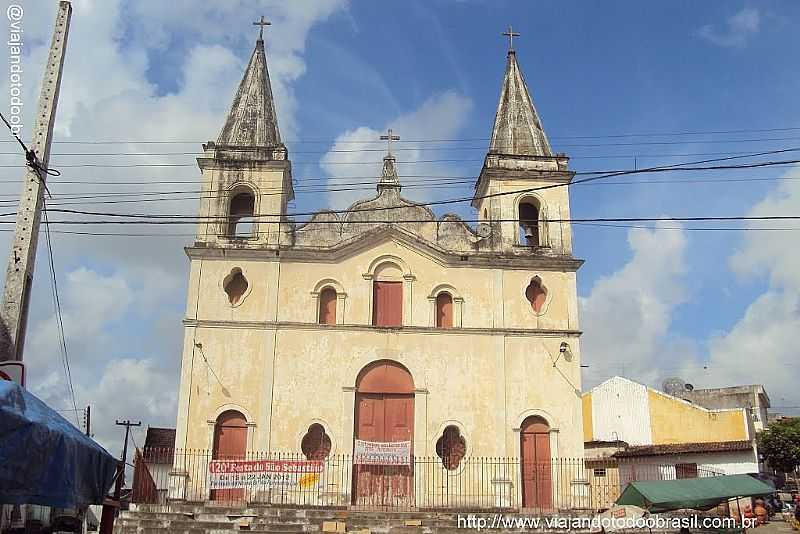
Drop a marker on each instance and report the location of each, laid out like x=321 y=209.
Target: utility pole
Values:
x=107 y=519
x=19 y=276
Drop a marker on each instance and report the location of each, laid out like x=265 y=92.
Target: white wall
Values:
x=620 y=411
x=727 y=463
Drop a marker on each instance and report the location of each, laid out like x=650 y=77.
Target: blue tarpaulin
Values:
x=46 y=460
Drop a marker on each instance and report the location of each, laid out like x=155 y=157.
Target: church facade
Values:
x=382 y=322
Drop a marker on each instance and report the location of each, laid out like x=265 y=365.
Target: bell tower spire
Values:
x=246 y=172
x=517 y=127
x=252 y=120
x=512 y=188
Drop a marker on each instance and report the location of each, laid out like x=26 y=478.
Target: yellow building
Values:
x=634 y=432
x=383 y=322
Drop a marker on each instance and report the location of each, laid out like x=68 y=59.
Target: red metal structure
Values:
x=384 y=413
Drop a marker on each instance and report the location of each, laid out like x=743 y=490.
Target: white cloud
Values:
x=123 y=297
x=439 y=117
x=627 y=315
x=737 y=30
x=758 y=348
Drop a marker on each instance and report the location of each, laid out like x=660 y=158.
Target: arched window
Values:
x=387 y=296
x=451 y=447
x=327 y=306
x=444 y=310
x=316 y=444
x=536 y=294
x=241 y=222
x=529 y=223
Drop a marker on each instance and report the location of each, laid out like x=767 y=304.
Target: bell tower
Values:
x=247 y=175
x=524 y=215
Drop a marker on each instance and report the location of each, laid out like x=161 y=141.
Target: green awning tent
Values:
x=697 y=493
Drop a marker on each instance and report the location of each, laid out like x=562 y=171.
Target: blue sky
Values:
x=654 y=303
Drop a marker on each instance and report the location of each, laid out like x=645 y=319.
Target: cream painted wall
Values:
x=493 y=298
x=486 y=376
x=678 y=421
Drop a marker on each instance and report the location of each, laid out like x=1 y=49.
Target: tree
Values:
x=780 y=444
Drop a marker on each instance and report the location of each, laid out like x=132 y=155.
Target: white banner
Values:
x=382 y=453
x=286 y=474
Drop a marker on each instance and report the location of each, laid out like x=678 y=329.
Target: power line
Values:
x=59 y=318
x=142 y=219
x=429 y=148
x=371 y=140
x=593 y=176
x=598 y=225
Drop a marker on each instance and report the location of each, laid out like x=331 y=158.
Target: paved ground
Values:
x=776 y=526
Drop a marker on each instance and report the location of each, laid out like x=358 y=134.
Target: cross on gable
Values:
x=510 y=34
x=261 y=23
x=389 y=137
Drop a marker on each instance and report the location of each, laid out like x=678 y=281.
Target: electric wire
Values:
x=59 y=315
x=594 y=176
x=371 y=140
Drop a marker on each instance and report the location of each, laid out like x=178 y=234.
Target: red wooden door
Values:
x=444 y=310
x=398 y=426
x=536 y=470
x=387 y=303
x=384 y=417
x=230 y=443
x=327 y=306
x=370 y=427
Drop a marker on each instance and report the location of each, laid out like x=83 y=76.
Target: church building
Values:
x=383 y=322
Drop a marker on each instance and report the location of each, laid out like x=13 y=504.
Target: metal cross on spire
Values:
x=510 y=34
x=389 y=137
x=261 y=23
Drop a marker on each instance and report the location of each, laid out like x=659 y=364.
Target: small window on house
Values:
x=444 y=310
x=599 y=472
x=686 y=470
x=241 y=222
x=387 y=303
x=327 y=306
x=485 y=213
x=528 y=224
x=235 y=286
x=451 y=447
x=316 y=444
x=536 y=294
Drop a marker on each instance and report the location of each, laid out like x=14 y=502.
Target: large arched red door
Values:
x=230 y=443
x=384 y=413
x=537 y=491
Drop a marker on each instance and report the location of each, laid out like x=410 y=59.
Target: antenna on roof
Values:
x=673 y=386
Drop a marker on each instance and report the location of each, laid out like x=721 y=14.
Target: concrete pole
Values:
x=19 y=276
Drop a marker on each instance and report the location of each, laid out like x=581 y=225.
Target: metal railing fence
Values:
x=164 y=476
